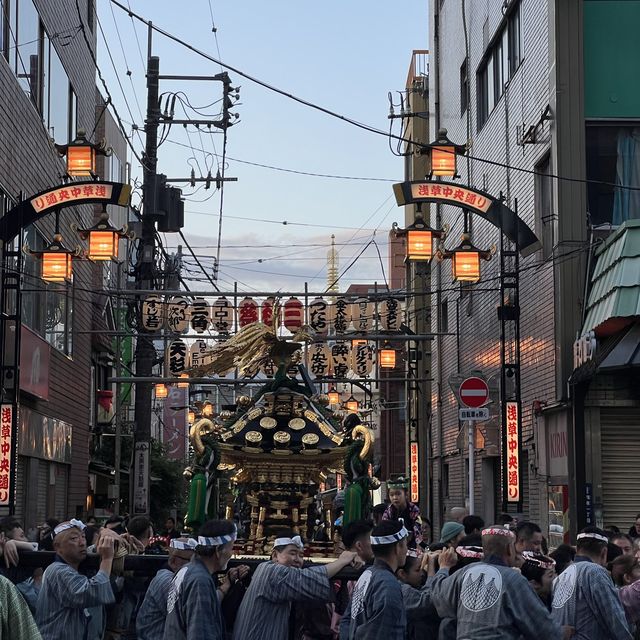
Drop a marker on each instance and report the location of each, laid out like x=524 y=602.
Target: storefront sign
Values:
x=41 y=436
x=589 y=517
x=584 y=349
x=6 y=423
x=557 y=446
x=415 y=474
x=35 y=357
x=513 y=452
x=141 y=479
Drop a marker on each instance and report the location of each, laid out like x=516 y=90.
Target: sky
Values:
x=345 y=56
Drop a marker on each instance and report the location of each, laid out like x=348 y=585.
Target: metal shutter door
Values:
x=620 y=450
x=21 y=489
x=43 y=485
x=62 y=472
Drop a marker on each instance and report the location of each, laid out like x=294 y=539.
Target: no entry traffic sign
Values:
x=474 y=392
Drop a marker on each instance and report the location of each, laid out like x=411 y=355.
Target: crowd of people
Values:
x=476 y=582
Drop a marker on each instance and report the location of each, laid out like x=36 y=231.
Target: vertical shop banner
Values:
x=175 y=418
x=6 y=423
x=415 y=473
x=141 y=479
x=513 y=452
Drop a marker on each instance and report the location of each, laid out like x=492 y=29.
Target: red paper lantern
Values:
x=293 y=314
x=247 y=312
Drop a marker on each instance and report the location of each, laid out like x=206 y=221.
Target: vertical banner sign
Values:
x=6 y=423
x=175 y=423
x=415 y=474
x=513 y=452
x=141 y=479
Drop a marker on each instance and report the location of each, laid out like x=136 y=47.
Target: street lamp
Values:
x=442 y=156
x=184 y=385
x=465 y=259
x=387 y=357
x=103 y=238
x=57 y=260
x=162 y=391
x=334 y=396
x=419 y=246
x=352 y=405
x=81 y=156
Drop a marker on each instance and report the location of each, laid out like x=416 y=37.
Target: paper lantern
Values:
x=293 y=314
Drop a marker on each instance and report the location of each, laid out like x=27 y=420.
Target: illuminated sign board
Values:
x=447 y=194
x=6 y=423
x=512 y=454
x=415 y=475
x=71 y=194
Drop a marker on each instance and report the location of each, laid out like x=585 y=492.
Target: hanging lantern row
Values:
x=322 y=359
x=178 y=314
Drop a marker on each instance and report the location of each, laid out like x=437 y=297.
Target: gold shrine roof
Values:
x=282 y=423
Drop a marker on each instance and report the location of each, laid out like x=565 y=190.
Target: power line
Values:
x=347 y=119
x=209 y=278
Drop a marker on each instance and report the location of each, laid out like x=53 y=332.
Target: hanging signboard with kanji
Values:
x=340 y=353
x=362 y=359
x=512 y=454
x=415 y=473
x=248 y=312
x=6 y=424
x=152 y=313
x=177 y=314
x=319 y=315
x=199 y=315
x=319 y=359
x=362 y=314
x=177 y=360
x=389 y=310
x=341 y=315
x=222 y=315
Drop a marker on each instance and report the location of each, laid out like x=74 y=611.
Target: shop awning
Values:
x=614 y=299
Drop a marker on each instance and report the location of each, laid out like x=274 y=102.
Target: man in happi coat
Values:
x=376 y=610
x=69 y=603
x=584 y=596
x=193 y=607
x=489 y=600
x=16 y=621
x=153 y=611
x=266 y=610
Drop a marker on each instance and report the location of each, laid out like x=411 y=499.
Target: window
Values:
x=501 y=60
x=90 y=13
x=445 y=479
x=46 y=309
x=613 y=157
x=545 y=217
x=26 y=53
x=4 y=29
x=59 y=99
x=464 y=86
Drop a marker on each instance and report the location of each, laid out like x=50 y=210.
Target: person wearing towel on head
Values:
x=267 y=612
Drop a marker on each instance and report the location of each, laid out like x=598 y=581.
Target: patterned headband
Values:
x=394 y=537
x=595 y=536
x=470 y=552
x=184 y=545
x=498 y=531
x=283 y=542
x=204 y=541
x=539 y=561
x=71 y=524
x=398 y=483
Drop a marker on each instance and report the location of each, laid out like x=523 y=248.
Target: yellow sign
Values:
x=447 y=194
x=512 y=461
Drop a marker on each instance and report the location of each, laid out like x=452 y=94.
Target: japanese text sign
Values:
x=71 y=193
x=415 y=474
x=6 y=424
x=512 y=454
x=447 y=194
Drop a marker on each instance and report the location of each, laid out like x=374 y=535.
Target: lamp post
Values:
x=81 y=156
x=442 y=155
x=103 y=238
x=465 y=259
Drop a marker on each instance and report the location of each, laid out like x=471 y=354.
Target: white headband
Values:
x=283 y=542
x=498 y=531
x=394 y=537
x=72 y=524
x=595 y=536
x=539 y=561
x=204 y=541
x=470 y=552
x=184 y=545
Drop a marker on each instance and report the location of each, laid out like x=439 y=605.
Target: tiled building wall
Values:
x=29 y=164
x=472 y=315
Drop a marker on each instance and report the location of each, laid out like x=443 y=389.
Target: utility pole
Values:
x=145 y=271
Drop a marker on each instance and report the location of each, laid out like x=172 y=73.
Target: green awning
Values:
x=614 y=299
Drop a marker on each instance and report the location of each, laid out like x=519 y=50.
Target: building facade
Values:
x=47 y=89
x=525 y=85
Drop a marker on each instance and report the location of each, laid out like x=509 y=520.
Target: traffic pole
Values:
x=472 y=443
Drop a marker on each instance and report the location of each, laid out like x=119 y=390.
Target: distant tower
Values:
x=333 y=262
